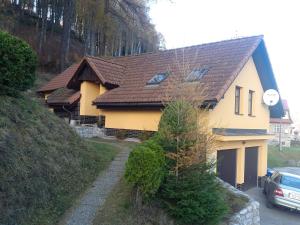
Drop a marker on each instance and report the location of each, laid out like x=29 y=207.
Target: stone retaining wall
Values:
x=89 y=131
x=248 y=215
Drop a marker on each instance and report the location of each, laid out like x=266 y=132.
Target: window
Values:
x=290 y=181
x=237 y=107
x=196 y=74
x=158 y=78
x=250 y=103
x=278 y=128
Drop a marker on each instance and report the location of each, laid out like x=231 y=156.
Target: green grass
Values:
x=119 y=210
x=281 y=159
x=44 y=164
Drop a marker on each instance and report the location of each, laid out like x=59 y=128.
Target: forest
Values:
x=62 y=31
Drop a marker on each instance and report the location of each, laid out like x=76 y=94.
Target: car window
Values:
x=290 y=181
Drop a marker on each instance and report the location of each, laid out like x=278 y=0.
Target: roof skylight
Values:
x=197 y=74
x=158 y=78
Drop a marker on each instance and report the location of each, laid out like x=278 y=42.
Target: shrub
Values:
x=145 y=168
x=194 y=197
x=17 y=65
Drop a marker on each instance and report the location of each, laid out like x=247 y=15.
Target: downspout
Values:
x=70 y=118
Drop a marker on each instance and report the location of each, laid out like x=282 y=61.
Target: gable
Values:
x=223 y=115
x=84 y=73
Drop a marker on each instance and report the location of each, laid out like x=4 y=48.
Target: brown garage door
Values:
x=226 y=165
x=251 y=163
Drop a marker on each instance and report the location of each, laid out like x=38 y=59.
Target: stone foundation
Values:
x=89 y=131
x=128 y=133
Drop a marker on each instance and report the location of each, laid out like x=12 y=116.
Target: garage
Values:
x=226 y=165
x=251 y=165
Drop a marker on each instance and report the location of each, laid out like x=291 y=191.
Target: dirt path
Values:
x=84 y=212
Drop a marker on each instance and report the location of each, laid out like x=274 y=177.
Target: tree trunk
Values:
x=43 y=32
x=65 y=39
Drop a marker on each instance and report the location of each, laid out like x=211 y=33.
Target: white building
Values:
x=282 y=128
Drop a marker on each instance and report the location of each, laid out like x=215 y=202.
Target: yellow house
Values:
x=127 y=93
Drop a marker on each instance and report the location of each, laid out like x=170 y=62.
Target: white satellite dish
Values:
x=271 y=97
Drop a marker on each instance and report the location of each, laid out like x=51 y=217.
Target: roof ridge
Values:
x=104 y=60
x=261 y=36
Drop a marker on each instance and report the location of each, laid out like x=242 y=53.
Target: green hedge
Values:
x=17 y=65
x=145 y=168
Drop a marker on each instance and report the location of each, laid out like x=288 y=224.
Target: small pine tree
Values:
x=184 y=135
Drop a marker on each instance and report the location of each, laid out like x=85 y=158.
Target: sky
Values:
x=192 y=22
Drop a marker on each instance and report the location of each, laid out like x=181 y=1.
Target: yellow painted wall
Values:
x=240 y=146
x=223 y=115
x=132 y=119
x=89 y=92
x=102 y=90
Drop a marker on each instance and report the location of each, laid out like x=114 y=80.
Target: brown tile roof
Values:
x=63 y=96
x=279 y=120
x=60 y=80
x=108 y=72
x=225 y=59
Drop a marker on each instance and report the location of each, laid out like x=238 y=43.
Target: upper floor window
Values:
x=237 y=106
x=196 y=74
x=250 y=102
x=158 y=78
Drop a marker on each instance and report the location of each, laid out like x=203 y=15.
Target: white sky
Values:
x=190 y=22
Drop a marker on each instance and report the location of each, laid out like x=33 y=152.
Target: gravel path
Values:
x=85 y=211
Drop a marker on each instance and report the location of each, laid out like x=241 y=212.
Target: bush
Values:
x=195 y=197
x=145 y=168
x=17 y=65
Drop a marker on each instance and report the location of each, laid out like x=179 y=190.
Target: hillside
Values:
x=26 y=29
x=44 y=165
x=61 y=32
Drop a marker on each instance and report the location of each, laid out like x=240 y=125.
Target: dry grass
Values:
x=44 y=165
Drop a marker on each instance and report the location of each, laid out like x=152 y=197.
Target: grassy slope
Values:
x=279 y=159
x=44 y=165
x=118 y=208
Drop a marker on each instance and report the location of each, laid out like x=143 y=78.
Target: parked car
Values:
x=282 y=188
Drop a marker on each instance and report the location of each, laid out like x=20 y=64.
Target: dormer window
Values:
x=197 y=74
x=158 y=78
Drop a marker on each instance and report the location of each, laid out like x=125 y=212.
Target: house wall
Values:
x=223 y=115
x=89 y=91
x=138 y=119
